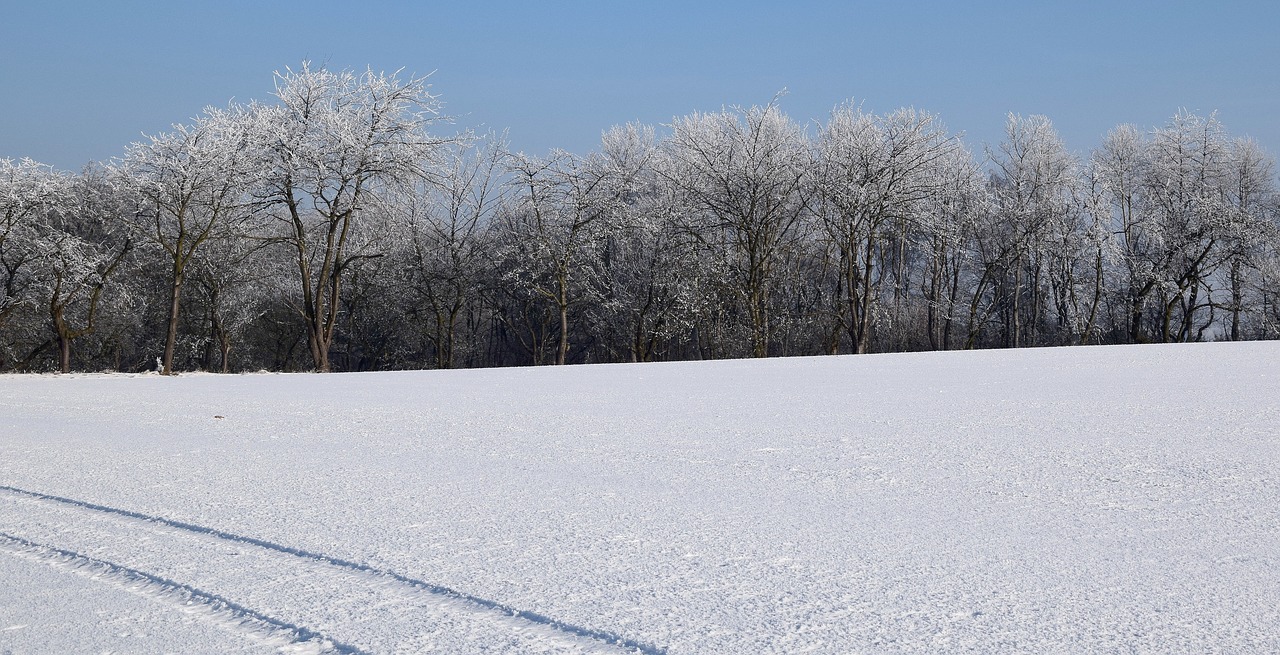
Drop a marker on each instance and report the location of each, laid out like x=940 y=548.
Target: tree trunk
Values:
x=1237 y=299
x=562 y=352
x=319 y=349
x=171 y=338
x=64 y=353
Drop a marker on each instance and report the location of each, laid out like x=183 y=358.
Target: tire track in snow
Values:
x=223 y=612
x=601 y=638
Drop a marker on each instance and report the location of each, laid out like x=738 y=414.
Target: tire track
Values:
x=221 y=611
x=372 y=580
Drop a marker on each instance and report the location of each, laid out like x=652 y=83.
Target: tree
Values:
x=1119 y=168
x=947 y=224
x=29 y=193
x=1035 y=186
x=1186 y=195
x=652 y=276
x=334 y=143
x=192 y=184
x=448 y=220
x=80 y=248
x=875 y=174
x=744 y=172
x=1251 y=184
x=553 y=232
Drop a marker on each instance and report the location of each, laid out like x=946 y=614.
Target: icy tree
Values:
x=946 y=222
x=1250 y=190
x=744 y=173
x=80 y=246
x=333 y=143
x=552 y=235
x=652 y=274
x=233 y=281
x=1188 y=178
x=29 y=193
x=1119 y=168
x=874 y=176
x=1035 y=183
x=448 y=243
x=192 y=184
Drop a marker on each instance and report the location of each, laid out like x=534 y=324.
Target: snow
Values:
x=1057 y=500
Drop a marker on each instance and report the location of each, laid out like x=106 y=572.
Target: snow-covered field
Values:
x=1117 y=499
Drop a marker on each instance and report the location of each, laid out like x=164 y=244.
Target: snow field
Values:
x=1057 y=500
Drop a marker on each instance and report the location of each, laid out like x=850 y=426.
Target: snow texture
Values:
x=1096 y=499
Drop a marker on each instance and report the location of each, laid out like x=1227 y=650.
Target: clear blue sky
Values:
x=80 y=80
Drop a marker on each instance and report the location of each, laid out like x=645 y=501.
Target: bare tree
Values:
x=1186 y=194
x=744 y=171
x=947 y=223
x=875 y=175
x=553 y=232
x=1119 y=167
x=333 y=143
x=448 y=220
x=652 y=274
x=29 y=193
x=1035 y=183
x=1251 y=184
x=81 y=248
x=192 y=183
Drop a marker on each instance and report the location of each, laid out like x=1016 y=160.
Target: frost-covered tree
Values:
x=332 y=144
x=875 y=176
x=81 y=245
x=1187 y=186
x=744 y=173
x=448 y=241
x=29 y=193
x=1035 y=182
x=1250 y=191
x=233 y=281
x=652 y=275
x=192 y=185
x=946 y=222
x=1119 y=169
x=552 y=234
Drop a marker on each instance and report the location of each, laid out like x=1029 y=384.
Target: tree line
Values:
x=337 y=227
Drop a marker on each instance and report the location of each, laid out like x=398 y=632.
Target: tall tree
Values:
x=744 y=171
x=875 y=174
x=553 y=233
x=1119 y=168
x=652 y=274
x=82 y=244
x=331 y=145
x=1035 y=183
x=29 y=193
x=192 y=184
x=448 y=220
x=1186 y=192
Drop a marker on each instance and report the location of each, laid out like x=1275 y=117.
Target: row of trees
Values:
x=333 y=229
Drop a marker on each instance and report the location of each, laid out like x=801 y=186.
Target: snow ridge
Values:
x=223 y=612
x=599 y=636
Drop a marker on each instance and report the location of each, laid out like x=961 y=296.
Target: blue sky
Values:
x=83 y=79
